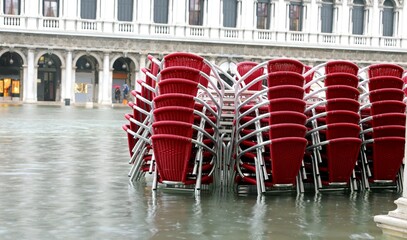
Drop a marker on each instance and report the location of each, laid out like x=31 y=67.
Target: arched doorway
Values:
x=122 y=69
x=10 y=76
x=86 y=80
x=49 y=78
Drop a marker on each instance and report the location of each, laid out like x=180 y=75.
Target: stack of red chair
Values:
x=185 y=128
x=383 y=123
x=333 y=127
x=270 y=128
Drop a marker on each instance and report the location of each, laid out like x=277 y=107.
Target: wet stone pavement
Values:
x=63 y=175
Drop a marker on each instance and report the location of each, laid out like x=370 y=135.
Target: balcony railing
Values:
x=88 y=25
x=12 y=20
x=203 y=33
x=49 y=23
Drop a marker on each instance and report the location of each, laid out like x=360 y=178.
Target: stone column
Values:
x=31 y=79
x=67 y=86
x=395 y=222
x=25 y=83
x=106 y=83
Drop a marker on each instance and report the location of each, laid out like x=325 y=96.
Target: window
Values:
x=88 y=9
x=12 y=7
x=358 y=16
x=50 y=8
x=295 y=16
x=161 y=11
x=327 y=12
x=388 y=16
x=263 y=14
x=196 y=12
x=229 y=13
x=125 y=10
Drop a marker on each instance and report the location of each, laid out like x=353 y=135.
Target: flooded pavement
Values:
x=63 y=175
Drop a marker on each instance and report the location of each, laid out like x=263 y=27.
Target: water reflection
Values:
x=63 y=175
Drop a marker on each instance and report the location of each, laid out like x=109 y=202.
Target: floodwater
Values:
x=63 y=175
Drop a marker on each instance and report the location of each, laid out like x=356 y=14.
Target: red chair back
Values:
x=285 y=91
x=174 y=99
x=385 y=69
x=385 y=82
x=178 y=85
x=172 y=154
x=285 y=78
x=342 y=154
x=286 y=154
x=173 y=113
x=347 y=79
x=285 y=65
x=340 y=66
x=388 y=154
x=173 y=128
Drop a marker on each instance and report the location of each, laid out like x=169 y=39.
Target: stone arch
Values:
x=52 y=52
x=99 y=61
x=19 y=52
x=131 y=57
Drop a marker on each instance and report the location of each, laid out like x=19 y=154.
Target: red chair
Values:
x=386 y=131
x=285 y=65
x=388 y=106
x=340 y=66
x=341 y=157
x=173 y=113
x=386 y=94
x=386 y=119
x=173 y=128
x=341 y=91
x=172 y=154
x=385 y=82
x=285 y=78
x=338 y=116
x=180 y=72
x=285 y=91
x=341 y=79
x=174 y=99
x=287 y=104
x=387 y=157
x=287 y=117
x=286 y=156
x=183 y=59
x=335 y=104
x=385 y=69
x=283 y=130
x=131 y=141
x=244 y=67
x=178 y=85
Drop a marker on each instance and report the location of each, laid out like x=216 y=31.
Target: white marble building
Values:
x=80 y=50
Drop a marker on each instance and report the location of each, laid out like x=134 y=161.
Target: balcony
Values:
x=254 y=36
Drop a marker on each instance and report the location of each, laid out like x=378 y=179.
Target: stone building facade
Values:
x=81 y=50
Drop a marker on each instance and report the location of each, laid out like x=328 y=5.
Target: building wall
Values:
x=105 y=39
